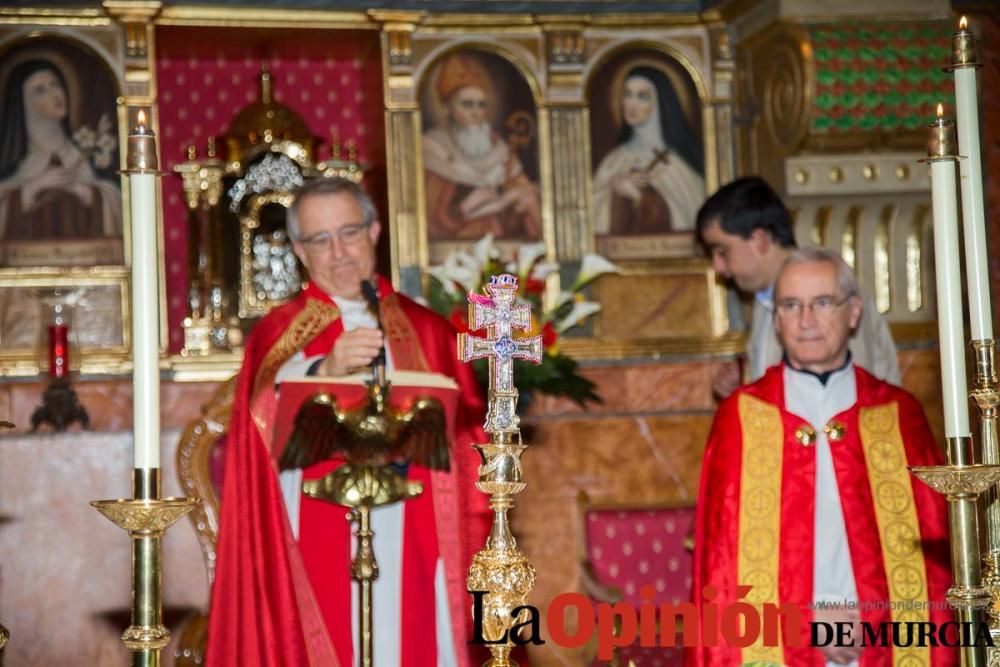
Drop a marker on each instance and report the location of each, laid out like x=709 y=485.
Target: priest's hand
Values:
x=352 y=351
x=841 y=655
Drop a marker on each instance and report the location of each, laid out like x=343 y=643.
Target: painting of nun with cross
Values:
x=652 y=180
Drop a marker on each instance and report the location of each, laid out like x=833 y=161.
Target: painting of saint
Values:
x=649 y=181
x=480 y=150
x=60 y=200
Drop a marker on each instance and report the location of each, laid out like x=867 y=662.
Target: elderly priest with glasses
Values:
x=806 y=500
x=282 y=593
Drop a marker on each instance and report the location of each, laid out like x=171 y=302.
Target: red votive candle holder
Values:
x=58 y=351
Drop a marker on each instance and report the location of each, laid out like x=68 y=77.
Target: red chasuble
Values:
x=276 y=601
x=756 y=524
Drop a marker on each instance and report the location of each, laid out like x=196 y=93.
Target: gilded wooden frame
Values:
x=109 y=347
x=250 y=302
x=95 y=33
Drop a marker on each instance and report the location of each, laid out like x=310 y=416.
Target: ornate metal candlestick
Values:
x=145 y=516
x=986 y=394
x=500 y=569
x=960 y=481
x=964 y=63
x=961 y=485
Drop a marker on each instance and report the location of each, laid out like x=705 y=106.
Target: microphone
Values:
x=378 y=363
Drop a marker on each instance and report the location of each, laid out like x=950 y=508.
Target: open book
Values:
x=397 y=378
x=350 y=392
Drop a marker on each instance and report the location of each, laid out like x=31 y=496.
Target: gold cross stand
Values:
x=500 y=568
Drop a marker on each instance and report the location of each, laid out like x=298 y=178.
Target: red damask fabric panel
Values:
x=632 y=548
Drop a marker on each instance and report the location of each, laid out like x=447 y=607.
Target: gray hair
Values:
x=328 y=186
x=846 y=281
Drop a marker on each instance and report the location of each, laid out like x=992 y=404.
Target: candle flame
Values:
x=142 y=118
x=940 y=110
x=963 y=23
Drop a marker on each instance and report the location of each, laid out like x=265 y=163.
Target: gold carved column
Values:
x=569 y=173
x=402 y=134
x=139 y=94
x=721 y=116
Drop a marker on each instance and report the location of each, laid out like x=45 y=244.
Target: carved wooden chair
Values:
x=200 y=458
x=624 y=547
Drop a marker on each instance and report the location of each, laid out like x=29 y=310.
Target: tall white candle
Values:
x=971 y=170
x=145 y=302
x=949 y=292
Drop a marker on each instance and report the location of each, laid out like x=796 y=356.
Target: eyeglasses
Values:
x=348 y=235
x=821 y=306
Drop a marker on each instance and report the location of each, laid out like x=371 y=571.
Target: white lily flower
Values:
x=527 y=255
x=463 y=259
x=458 y=268
x=464 y=270
x=591 y=267
x=581 y=311
x=543 y=269
x=483 y=250
x=442 y=274
x=563 y=298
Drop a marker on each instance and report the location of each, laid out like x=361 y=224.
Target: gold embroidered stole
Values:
x=312 y=320
x=760 y=514
x=898 y=527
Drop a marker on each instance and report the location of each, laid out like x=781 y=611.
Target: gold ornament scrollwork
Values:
x=784 y=98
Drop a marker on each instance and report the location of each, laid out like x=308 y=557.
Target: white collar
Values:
x=351 y=307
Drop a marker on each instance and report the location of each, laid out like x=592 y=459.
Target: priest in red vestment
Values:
x=282 y=594
x=806 y=498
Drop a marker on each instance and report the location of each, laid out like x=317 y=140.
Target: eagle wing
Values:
x=423 y=439
x=320 y=432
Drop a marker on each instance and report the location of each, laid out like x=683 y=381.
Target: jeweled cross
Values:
x=500 y=316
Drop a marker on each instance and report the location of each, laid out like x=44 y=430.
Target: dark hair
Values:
x=747 y=204
x=677 y=133
x=328 y=186
x=14 y=126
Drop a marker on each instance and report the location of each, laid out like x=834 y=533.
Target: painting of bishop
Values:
x=480 y=152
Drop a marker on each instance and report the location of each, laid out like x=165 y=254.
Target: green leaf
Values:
x=557 y=375
x=439 y=300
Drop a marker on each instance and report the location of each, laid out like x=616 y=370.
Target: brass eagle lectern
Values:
x=376 y=441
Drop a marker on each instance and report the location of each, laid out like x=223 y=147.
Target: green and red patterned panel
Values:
x=882 y=76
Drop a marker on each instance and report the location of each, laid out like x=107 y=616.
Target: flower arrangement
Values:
x=99 y=145
x=464 y=272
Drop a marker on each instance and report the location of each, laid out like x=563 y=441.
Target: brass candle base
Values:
x=146 y=518
x=986 y=394
x=961 y=485
x=958 y=482
x=500 y=568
